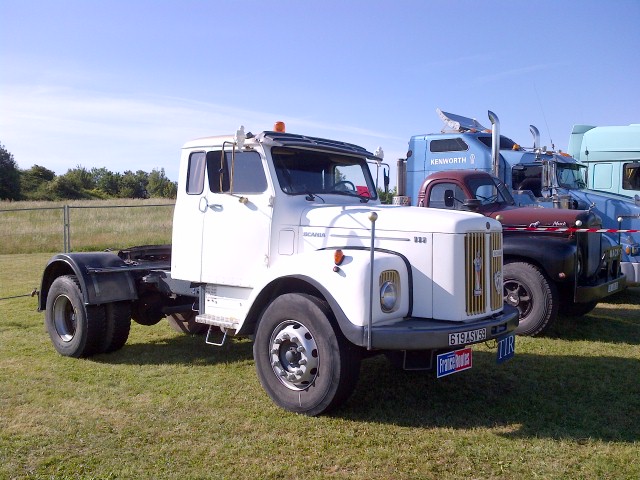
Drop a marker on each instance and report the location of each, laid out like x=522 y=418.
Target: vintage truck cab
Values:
x=282 y=238
x=536 y=176
x=552 y=262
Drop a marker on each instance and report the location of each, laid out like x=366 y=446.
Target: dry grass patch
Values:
x=29 y=227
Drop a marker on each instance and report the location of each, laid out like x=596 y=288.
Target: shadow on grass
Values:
x=603 y=324
x=570 y=397
x=559 y=397
x=179 y=350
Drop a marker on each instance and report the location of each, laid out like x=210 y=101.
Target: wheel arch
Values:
x=291 y=284
x=553 y=256
x=96 y=288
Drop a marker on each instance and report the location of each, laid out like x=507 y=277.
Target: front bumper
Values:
x=429 y=334
x=597 y=292
x=631 y=270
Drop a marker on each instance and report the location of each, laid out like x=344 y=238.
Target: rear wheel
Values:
x=303 y=361
x=118 y=315
x=75 y=329
x=535 y=297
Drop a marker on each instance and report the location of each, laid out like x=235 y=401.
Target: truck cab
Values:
x=611 y=155
x=550 y=265
x=281 y=238
x=536 y=176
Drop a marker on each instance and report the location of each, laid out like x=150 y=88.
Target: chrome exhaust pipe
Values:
x=495 y=142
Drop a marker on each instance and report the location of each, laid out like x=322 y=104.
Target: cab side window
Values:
x=195 y=173
x=243 y=173
x=439 y=192
x=631 y=176
x=448 y=145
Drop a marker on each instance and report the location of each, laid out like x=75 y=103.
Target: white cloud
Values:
x=60 y=128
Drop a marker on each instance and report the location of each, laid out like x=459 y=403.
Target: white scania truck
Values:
x=281 y=238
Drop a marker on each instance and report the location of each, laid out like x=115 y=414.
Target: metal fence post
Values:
x=66 y=230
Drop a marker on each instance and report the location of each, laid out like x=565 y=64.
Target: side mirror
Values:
x=472 y=204
x=385 y=179
x=448 y=198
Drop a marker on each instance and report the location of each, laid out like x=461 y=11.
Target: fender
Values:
x=345 y=288
x=555 y=255
x=96 y=288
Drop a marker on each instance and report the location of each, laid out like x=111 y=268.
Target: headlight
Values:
x=389 y=290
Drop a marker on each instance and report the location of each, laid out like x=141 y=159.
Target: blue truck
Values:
x=536 y=176
x=611 y=155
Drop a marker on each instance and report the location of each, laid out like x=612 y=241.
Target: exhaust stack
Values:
x=401 y=197
x=495 y=142
x=536 y=136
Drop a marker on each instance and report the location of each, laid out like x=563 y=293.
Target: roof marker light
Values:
x=279 y=127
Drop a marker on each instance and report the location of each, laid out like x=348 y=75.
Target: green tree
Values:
x=34 y=181
x=106 y=181
x=64 y=188
x=81 y=177
x=160 y=186
x=9 y=176
x=134 y=185
x=386 y=198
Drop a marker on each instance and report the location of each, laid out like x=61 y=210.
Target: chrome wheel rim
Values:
x=294 y=355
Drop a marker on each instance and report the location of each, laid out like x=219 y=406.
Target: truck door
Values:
x=237 y=221
x=188 y=218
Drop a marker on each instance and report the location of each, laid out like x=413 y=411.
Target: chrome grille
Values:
x=474 y=272
x=496 y=271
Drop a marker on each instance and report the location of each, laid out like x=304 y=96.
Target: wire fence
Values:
x=84 y=227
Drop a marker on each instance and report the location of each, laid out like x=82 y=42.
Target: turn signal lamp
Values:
x=338 y=257
x=279 y=127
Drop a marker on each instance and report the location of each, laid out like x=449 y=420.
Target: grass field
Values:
x=169 y=406
x=94 y=224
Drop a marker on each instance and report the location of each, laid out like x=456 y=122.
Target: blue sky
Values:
x=123 y=84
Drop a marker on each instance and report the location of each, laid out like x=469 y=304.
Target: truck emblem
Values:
x=497 y=281
x=477 y=268
x=313 y=234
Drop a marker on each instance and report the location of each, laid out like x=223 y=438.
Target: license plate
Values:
x=506 y=348
x=613 y=287
x=453 y=362
x=471 y=336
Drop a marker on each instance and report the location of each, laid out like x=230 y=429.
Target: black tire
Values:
x=535 y=297
x=186 y=323
x=75 y=330
x=572 y=309
x=118 y=316
x=303 y=361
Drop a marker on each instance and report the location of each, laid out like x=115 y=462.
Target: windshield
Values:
x=570 y=176
x=490 y=190
x=311 y=172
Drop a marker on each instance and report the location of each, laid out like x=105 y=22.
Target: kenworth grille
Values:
x=483 y=291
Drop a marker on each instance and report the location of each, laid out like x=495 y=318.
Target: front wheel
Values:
x=304 y=363
x=75 y=330
x=535 y=297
